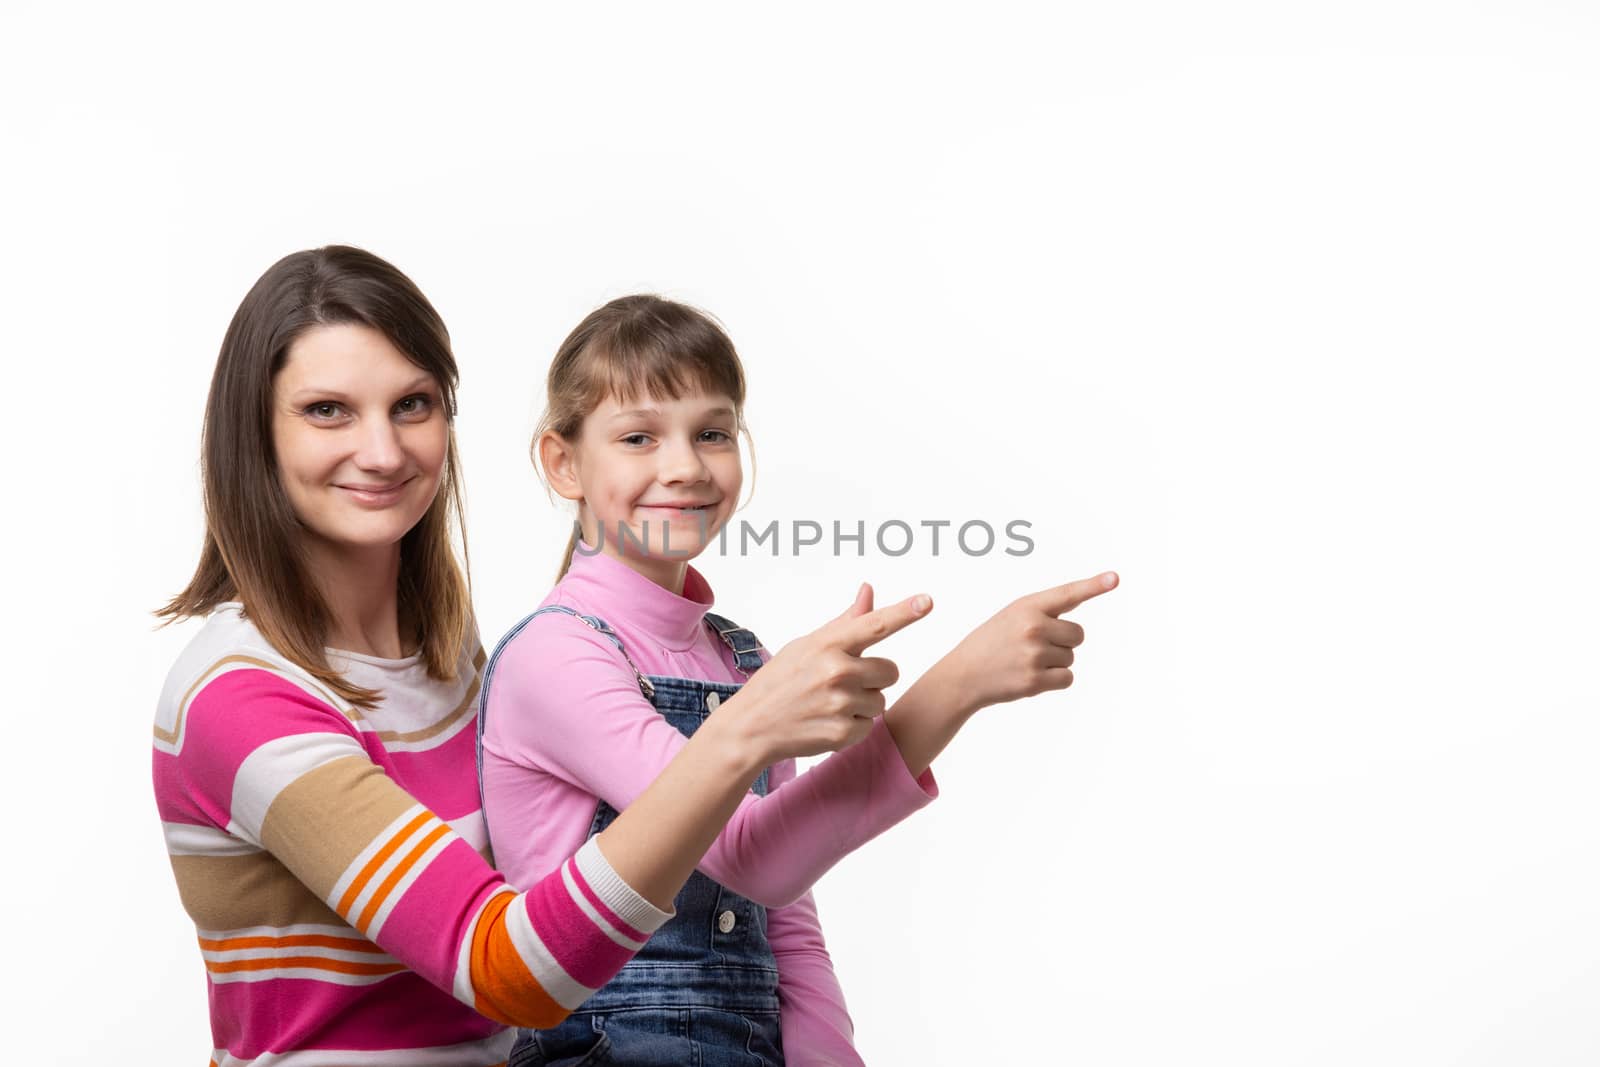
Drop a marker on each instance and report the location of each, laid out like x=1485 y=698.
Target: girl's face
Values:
x=360 y=436
x=666 y=470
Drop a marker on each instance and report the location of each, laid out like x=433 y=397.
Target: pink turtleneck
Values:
x=565 y=724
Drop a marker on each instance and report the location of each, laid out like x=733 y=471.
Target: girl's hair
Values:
x=253 y=549
x=632 y=348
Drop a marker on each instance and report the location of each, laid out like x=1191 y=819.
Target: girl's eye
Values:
x=635 y=439
x=419 y=404
x=718 y=436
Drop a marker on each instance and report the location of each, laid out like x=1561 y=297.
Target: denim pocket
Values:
x=746 y=1038
x=648 y=1037
x=566 y=1046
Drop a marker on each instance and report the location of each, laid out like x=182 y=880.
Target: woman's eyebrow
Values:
x=422 y=381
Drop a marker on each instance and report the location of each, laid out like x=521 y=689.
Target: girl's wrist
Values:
x=961 y=695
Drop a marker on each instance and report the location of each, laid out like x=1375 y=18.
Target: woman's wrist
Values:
x=735 y=746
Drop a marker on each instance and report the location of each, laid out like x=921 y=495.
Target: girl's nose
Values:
x=681 y=463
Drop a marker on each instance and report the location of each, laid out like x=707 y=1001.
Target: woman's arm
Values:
x=565 y=722
x=278 y=817
x=270 y=794
x=825 y=696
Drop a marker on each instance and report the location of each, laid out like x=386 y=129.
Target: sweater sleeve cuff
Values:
x=916 y=792
x=615 y=894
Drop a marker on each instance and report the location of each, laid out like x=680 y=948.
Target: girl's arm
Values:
x=1023 y=650
x=815 y=1022
x=816 y=1025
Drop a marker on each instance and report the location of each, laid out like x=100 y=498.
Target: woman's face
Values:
x=360 y=435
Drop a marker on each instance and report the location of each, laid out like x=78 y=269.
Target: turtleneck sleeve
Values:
x=565 y=724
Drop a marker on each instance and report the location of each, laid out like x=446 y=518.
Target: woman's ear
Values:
x=558 y=459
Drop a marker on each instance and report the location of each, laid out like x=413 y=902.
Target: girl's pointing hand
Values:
x=1025 y=649
x=819 y=693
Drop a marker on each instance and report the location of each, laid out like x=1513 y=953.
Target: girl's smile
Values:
x=655 y=480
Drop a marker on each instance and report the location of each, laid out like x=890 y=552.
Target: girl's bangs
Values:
x=654 y=374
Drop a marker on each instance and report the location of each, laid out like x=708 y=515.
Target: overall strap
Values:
x=487 y=678
x=594 y=622
x=747 y=648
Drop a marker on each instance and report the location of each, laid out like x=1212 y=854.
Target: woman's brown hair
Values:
x=252 y=551
x=631 y=348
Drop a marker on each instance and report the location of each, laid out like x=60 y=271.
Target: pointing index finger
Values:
x=857 y=634
x=1063 y=598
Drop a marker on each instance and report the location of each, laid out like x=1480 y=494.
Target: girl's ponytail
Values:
x=566 y=559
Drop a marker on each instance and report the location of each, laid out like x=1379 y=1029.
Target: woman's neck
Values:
x=361 y=588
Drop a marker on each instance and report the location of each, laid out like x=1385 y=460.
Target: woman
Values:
x=313 y=759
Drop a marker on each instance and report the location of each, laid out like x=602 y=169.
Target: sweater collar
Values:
x=614 y=590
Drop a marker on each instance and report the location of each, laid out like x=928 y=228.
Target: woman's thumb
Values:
x=862 y=605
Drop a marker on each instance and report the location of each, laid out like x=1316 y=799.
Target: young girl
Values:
x=313 y=744
x=588 y=699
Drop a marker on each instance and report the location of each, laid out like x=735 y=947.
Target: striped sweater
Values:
x=334 y=863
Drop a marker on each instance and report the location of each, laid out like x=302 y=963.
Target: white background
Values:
x=1287 y=312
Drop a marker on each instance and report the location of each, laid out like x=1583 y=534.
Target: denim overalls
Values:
x=704 y=989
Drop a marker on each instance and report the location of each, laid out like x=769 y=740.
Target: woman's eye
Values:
x=324 y=410
x=414 y=405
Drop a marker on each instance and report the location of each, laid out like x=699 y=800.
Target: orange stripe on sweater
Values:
x=231 y=944
x=504 y=989
x=320 y=963
x=395 y=875
x=349 y=898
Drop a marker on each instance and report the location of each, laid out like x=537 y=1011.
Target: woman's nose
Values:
x=379 y=447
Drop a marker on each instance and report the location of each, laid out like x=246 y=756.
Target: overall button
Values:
x=725 y=922
x=713 y=701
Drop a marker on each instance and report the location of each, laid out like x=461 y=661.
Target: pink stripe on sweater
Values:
x=403 y=1011
x=217 y=738
x=588 y=957
x=450 y=796
x=600 y=906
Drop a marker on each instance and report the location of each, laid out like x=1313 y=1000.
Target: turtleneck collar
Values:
x=616 y=590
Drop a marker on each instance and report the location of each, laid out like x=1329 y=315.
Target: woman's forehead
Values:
x=349 y=357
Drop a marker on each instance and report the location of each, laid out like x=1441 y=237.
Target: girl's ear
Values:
x=559 y=460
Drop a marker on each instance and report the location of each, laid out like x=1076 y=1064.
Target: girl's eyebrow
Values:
x=656 y=412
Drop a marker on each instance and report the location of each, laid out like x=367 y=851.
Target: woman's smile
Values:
x=377 y=496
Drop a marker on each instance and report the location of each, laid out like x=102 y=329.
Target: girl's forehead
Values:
x=694 y=401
